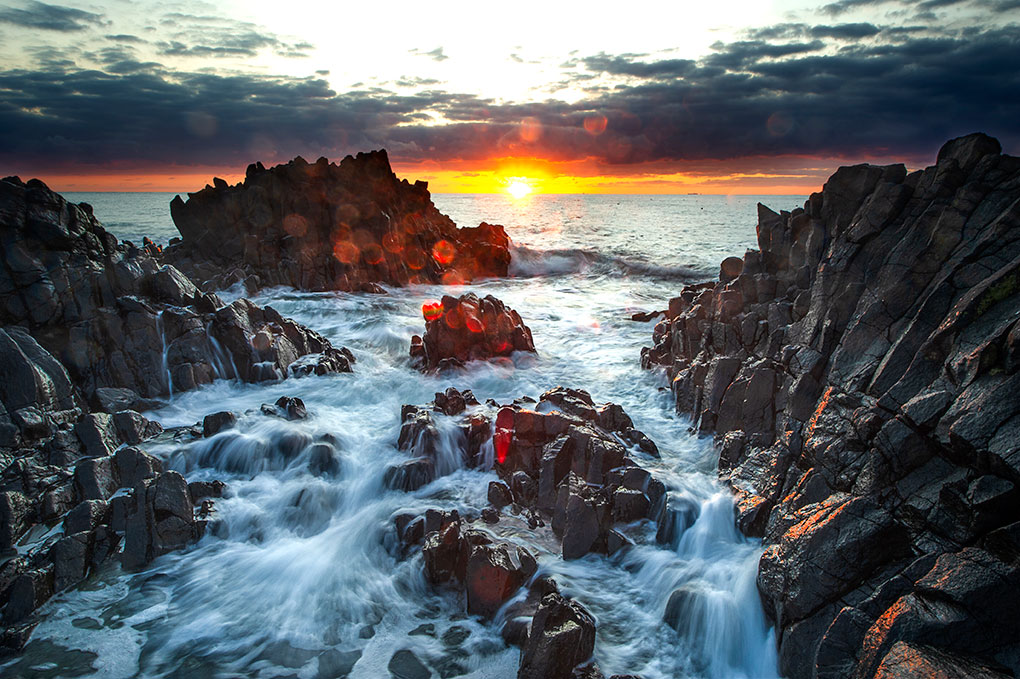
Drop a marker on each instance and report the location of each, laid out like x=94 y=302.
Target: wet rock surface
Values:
x=466 y=328
x=566 y=462
x=565 y=467
x=91 y=330
x=125 y=326
x=860 y=372
x=327 y=226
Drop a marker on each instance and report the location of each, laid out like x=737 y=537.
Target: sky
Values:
x=727 y=96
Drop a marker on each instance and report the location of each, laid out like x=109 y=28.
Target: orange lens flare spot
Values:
x=454 y=319
x=373 y=254
x=443 y=252
x=415 y=259
x=295 y=225
x=473 y=323
x=595 y=125
x=347 y=252
x=393 y=242
x=531 y=129
x=431 y=310
x=453 y=278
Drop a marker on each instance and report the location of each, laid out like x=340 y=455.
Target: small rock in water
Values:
x=405 y=665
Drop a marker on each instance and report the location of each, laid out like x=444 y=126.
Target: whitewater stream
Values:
x=300 y=574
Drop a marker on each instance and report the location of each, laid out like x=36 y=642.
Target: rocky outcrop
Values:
x=466 y=328
x=323 y=226
x=561 y=459
x=860 y=370
x=127 y=327
x=556 y=634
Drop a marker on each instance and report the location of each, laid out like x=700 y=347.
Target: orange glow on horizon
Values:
x=516 y=176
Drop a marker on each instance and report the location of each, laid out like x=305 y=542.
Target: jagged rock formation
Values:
x=126 y=327
x=556 y=634
x=62 y=467
x=324 y=226
x=861 y=371
x=466 y=328
x=566 y=460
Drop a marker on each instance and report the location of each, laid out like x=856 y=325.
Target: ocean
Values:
x=299 y=576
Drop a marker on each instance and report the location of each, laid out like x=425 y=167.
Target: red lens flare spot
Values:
x=431 y=310
x=503 y=347
x=504 y=434
x=347 y=252
x=473 y=323
x=444 y=252
x=595 y=125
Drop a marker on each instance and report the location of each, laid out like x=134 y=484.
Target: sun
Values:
x=518 y=187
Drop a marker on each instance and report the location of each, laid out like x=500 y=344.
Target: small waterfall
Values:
x=715 y=606
x=220 y=357
x=166 y=349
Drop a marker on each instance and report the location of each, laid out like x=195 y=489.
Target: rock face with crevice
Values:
x=860 y=370
x=127 y=327
x=328 y=226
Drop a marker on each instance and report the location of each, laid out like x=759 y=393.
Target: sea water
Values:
x=300 y=575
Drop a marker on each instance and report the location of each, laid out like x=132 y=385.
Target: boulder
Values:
x=161 y=518
x=562 y=638
x=467 y=328
x=216 y=422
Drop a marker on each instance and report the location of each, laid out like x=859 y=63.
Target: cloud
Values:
x=924 y=8
x=204 y=36
x=436 y=54
x=39 y=15
x=827 y=97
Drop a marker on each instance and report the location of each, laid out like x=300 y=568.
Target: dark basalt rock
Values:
x=562 y=639
x=466 y=328
x=324 y=226
x=565 y=462
x=127 y=327
x=860 y=371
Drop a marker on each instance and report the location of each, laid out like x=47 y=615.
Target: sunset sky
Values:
x=728 y=96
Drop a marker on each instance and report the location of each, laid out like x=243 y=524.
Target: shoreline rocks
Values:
x=327 y=226
x=128 y=328
x=466 y=328
x=859 y=370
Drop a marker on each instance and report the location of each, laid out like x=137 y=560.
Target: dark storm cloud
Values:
x=626 y=64
x=747 y=98
x=39 y=15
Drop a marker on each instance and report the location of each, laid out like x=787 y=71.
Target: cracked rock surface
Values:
x=860 y=370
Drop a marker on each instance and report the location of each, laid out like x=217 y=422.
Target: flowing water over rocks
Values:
x=300 y=570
